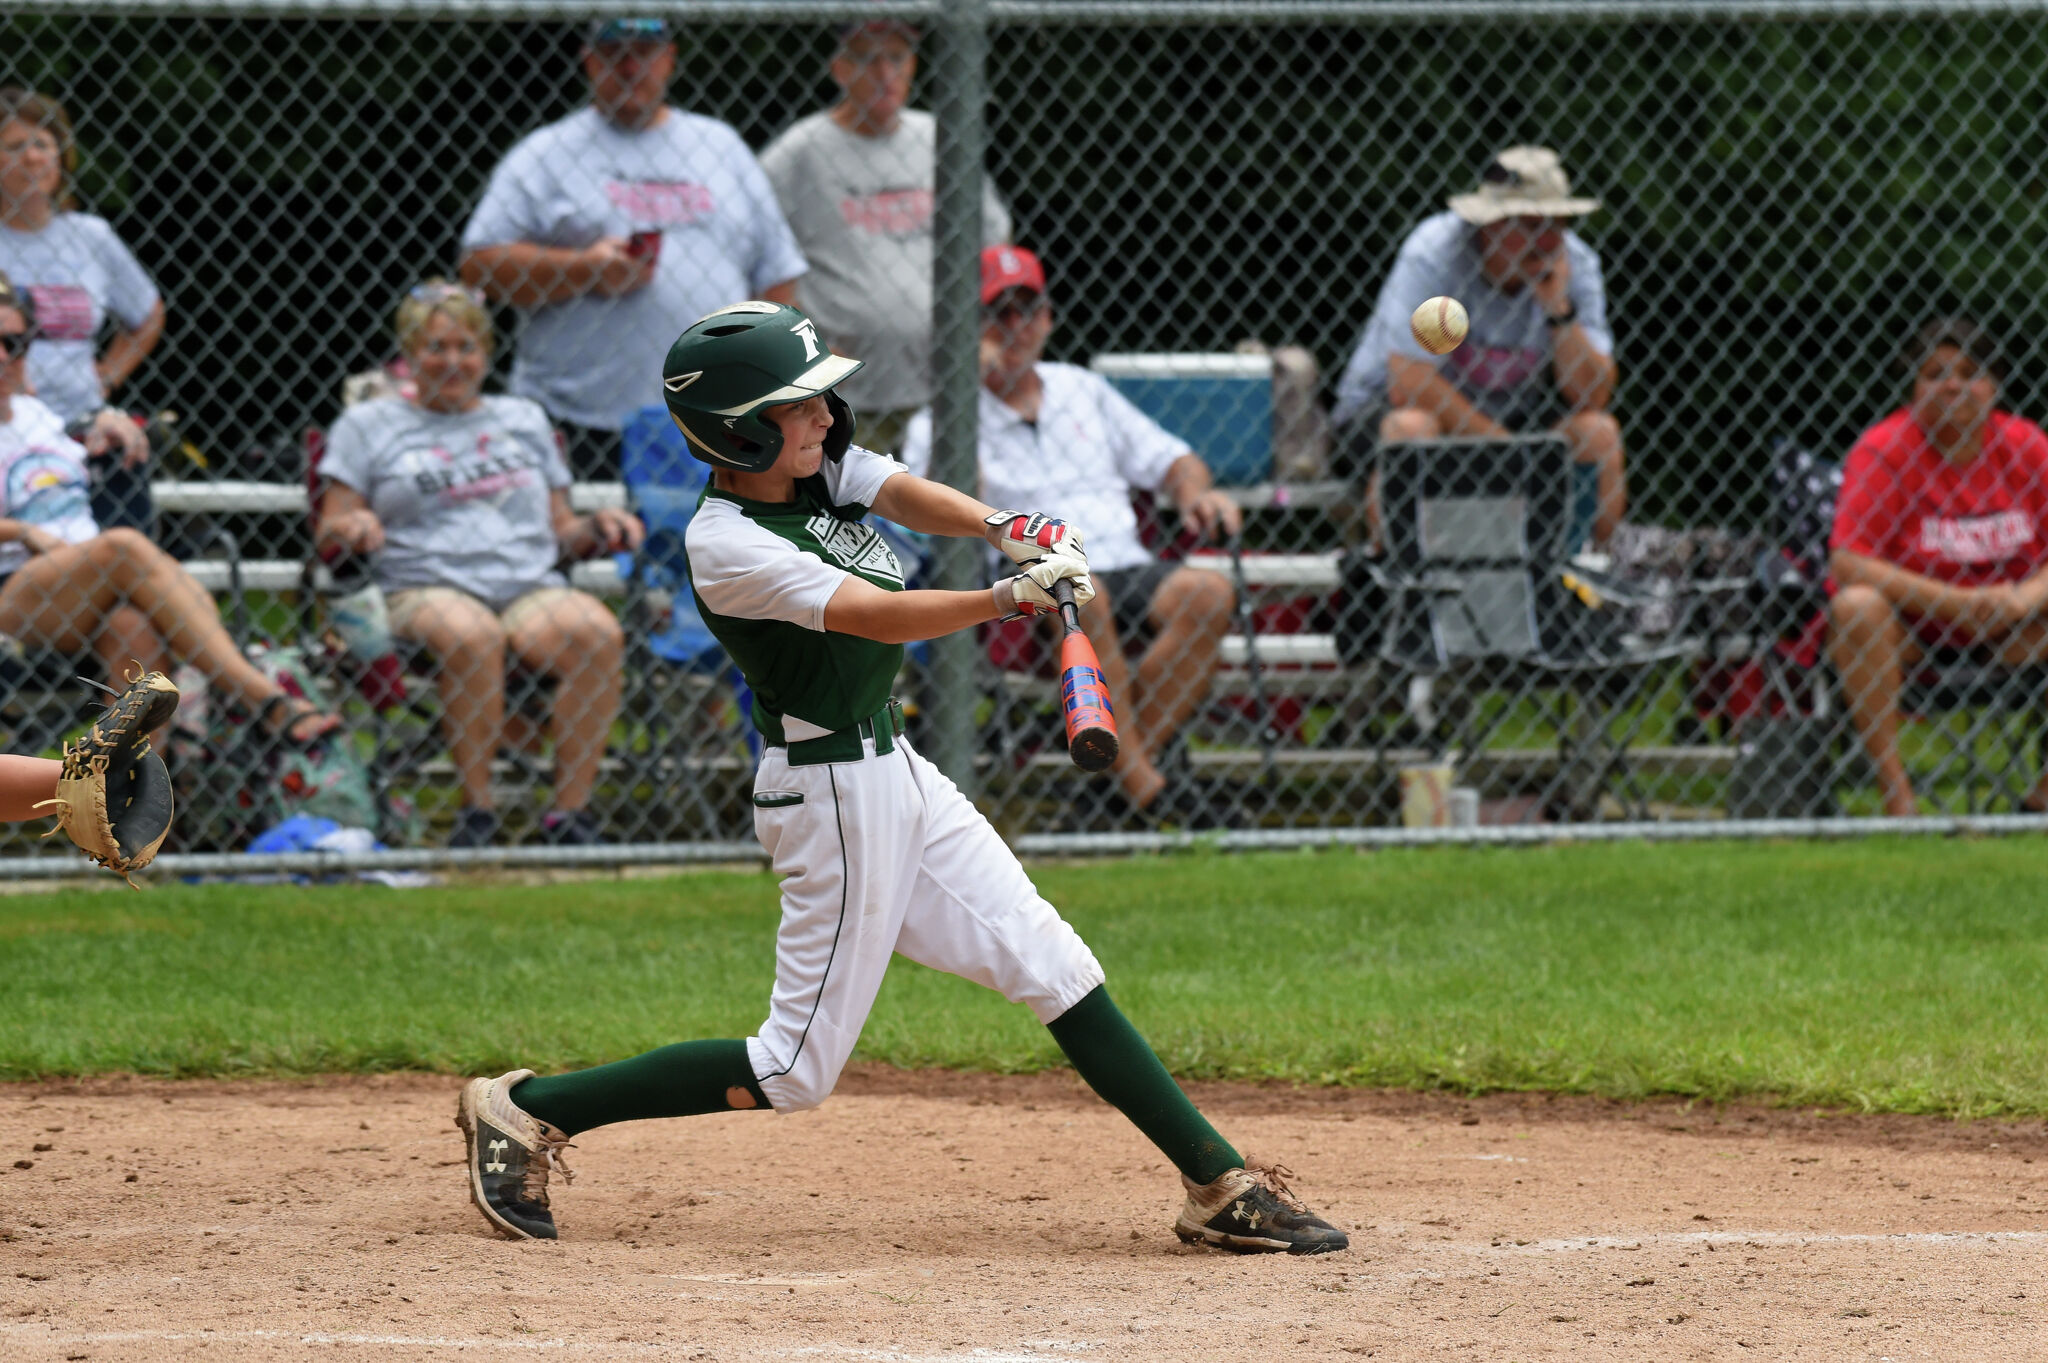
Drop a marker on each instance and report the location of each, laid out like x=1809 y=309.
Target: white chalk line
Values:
x=1771 y=1239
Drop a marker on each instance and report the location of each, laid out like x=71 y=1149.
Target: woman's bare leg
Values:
x=468 y=645
x=63 y=599
x=575 y=640
x=127 y=640
x=24 y=782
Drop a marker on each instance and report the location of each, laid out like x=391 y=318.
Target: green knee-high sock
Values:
x=1118 y=1065
x=676 y=1081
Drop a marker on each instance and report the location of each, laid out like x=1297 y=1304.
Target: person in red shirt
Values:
x=1941 y=534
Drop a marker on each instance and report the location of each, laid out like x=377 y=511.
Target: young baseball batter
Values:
x=878 y=853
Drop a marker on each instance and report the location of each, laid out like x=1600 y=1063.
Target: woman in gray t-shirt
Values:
x=81 y=275
x=463 y=499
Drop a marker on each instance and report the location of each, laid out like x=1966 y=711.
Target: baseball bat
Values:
x=1084 y=694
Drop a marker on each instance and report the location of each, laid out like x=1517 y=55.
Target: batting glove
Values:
x=1032 y=590
x=1027 y=536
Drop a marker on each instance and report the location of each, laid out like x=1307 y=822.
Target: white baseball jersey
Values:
x=880 y=854
x=1079 y=461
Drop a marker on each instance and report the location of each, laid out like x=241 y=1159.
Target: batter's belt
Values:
x=845 y=745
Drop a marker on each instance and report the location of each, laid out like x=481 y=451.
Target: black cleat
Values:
x=1253 y=1211
x=510 y=1157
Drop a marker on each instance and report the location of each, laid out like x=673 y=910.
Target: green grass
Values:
x=1907 y=975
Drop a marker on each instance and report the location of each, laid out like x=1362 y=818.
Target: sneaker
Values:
x=571 y=828
x=474 y=827
x=510 y=1157
x=1252 y=1210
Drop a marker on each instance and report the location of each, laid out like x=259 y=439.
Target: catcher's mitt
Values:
x=114 y=796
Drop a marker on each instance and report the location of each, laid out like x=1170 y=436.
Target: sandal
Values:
x=305 y=725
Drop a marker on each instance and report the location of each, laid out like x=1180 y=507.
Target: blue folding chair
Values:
x=664 y=483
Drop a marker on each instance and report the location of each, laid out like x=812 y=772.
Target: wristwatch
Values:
x=1565 y=318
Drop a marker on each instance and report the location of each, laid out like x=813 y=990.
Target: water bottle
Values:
x=356 y=615
x=189 y=725
x=355 y=608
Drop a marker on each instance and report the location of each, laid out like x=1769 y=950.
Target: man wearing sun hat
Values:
x=1539 y=354
x=615 y=228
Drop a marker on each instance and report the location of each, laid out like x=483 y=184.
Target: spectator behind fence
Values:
x=616 y=228
x=464 y=501
x=1539 y=355
x=1940 y=540
x=66 y=586
x=1059 y=438
x=856 y=181
x=79 y=273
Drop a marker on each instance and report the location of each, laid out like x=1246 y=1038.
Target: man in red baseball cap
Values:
x=1060 y=438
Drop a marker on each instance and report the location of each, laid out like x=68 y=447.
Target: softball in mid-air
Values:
x=1439 y=325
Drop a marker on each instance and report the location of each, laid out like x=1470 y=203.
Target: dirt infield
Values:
x=935 y=1216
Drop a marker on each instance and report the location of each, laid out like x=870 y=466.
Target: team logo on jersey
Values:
x=857 y=547
x=808 y=331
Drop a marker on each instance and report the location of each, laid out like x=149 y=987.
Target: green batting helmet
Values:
x=731 y=364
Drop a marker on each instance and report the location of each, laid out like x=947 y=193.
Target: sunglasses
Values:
x=15 y=344
x=441 y=293
x=1012 y=312
x=613 y=31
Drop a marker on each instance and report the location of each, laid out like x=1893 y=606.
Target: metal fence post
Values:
x=959 y=94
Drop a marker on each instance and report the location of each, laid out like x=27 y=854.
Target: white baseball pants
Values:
x=879 y=856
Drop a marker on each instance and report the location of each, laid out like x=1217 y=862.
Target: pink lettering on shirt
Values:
x=477 y=476
x=63 y=311
x=661 y=203
x=1976 y=539
x=489 y=486
x=891 y=213
x=1492 y=369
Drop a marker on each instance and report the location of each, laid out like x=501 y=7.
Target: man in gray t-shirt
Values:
x=856 y=181
x=1540 y=354
x=614 y=229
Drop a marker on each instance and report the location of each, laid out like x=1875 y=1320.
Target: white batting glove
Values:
x=1031 y=591
x=1027 y=536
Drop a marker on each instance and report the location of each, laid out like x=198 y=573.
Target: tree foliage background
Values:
x=1783 y=201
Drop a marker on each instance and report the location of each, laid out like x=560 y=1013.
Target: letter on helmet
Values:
x=730 y=365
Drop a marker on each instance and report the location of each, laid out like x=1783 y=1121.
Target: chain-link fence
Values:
x=389 y=298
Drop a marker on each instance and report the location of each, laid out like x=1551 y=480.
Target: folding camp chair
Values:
x=1484 y=606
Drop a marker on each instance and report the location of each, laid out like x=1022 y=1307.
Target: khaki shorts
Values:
x=402 y=606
